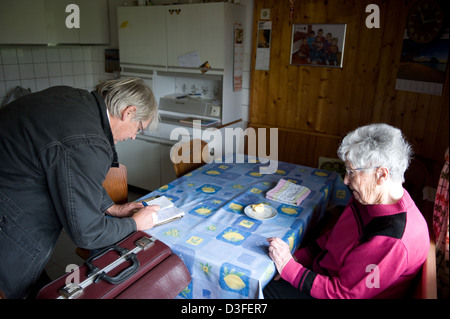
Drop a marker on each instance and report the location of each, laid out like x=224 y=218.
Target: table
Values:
x=225 y=251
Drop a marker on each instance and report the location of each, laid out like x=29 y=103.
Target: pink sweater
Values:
x=373 y=251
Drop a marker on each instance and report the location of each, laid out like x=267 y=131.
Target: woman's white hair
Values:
x=377 y=145
x=124 y=92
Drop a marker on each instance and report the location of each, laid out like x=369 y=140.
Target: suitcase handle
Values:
x=123 y=275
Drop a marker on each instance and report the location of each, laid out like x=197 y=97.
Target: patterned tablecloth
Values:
x=226 y=251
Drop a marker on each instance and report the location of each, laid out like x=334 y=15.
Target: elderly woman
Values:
x=380 y=241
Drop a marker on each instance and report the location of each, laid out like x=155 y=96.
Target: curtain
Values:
x=440 y=228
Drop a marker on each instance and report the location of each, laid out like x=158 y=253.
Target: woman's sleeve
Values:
x=368 y=270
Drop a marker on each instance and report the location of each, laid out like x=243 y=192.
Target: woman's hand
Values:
x=279 y=252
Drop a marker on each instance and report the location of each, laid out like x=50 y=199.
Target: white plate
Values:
x=268 y=213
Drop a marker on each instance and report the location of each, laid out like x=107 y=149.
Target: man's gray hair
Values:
x=377 y=145
x=124 y=92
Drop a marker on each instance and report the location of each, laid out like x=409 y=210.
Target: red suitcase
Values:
x=138 y=267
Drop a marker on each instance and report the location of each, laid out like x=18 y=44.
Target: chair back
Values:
x=115 y=184
x=189 y=156
x=426 y=285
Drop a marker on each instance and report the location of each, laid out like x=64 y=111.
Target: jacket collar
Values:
x=107 y=127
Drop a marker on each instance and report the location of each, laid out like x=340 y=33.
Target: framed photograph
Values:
x=318 y=44
x=425 y=51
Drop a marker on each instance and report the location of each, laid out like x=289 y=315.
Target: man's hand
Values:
x=145 y=217
x=125 y=210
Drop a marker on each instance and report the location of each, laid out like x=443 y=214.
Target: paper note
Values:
x=189 y=60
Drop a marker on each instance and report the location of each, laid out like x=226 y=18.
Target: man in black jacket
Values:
x=56 y=147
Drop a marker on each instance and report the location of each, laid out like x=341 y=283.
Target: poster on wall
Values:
x=318 y=44
x=263 y=45
x=424 y=56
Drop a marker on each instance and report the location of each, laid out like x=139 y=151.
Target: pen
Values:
x=144 y=203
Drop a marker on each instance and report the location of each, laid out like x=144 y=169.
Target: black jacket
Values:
x=56 y=147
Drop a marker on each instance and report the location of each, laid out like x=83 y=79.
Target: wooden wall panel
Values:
x=314 y=107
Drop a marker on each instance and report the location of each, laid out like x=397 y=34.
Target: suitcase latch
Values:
x=71 y=291
x=145 y=242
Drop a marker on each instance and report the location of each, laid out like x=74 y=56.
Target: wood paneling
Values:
x=314 y=107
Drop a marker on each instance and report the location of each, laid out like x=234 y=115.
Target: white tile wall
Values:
x=38 y=68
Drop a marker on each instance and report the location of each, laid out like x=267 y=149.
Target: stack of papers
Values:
x=288 y=193
x=199 y=122
x=167 y=212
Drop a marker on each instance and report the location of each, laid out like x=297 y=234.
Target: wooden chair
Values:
x=426 y=284
x=189 y=160
x=116 y=186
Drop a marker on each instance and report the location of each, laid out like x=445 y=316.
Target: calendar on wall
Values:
x=238 y=56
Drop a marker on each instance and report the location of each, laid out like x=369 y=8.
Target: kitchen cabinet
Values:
x=156 y=36
x=142 y=36
x=94 y=22
x=197 y=28
x=147 y=161
x=22 y=22
x=55 y=18
x=151 y=40
x=44 y=22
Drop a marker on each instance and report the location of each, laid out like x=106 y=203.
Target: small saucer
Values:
x=268 y=213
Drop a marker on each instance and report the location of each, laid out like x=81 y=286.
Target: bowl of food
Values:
x=260 y=211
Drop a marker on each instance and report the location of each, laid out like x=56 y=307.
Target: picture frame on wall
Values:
x=425 y=49
x=318 y=44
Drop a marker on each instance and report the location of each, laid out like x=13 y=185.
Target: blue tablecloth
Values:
x=225 y=251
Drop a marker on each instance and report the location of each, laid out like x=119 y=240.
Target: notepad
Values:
x=168 y=211
x=287 y=192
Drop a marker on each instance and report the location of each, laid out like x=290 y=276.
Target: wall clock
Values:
x=425 y=21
